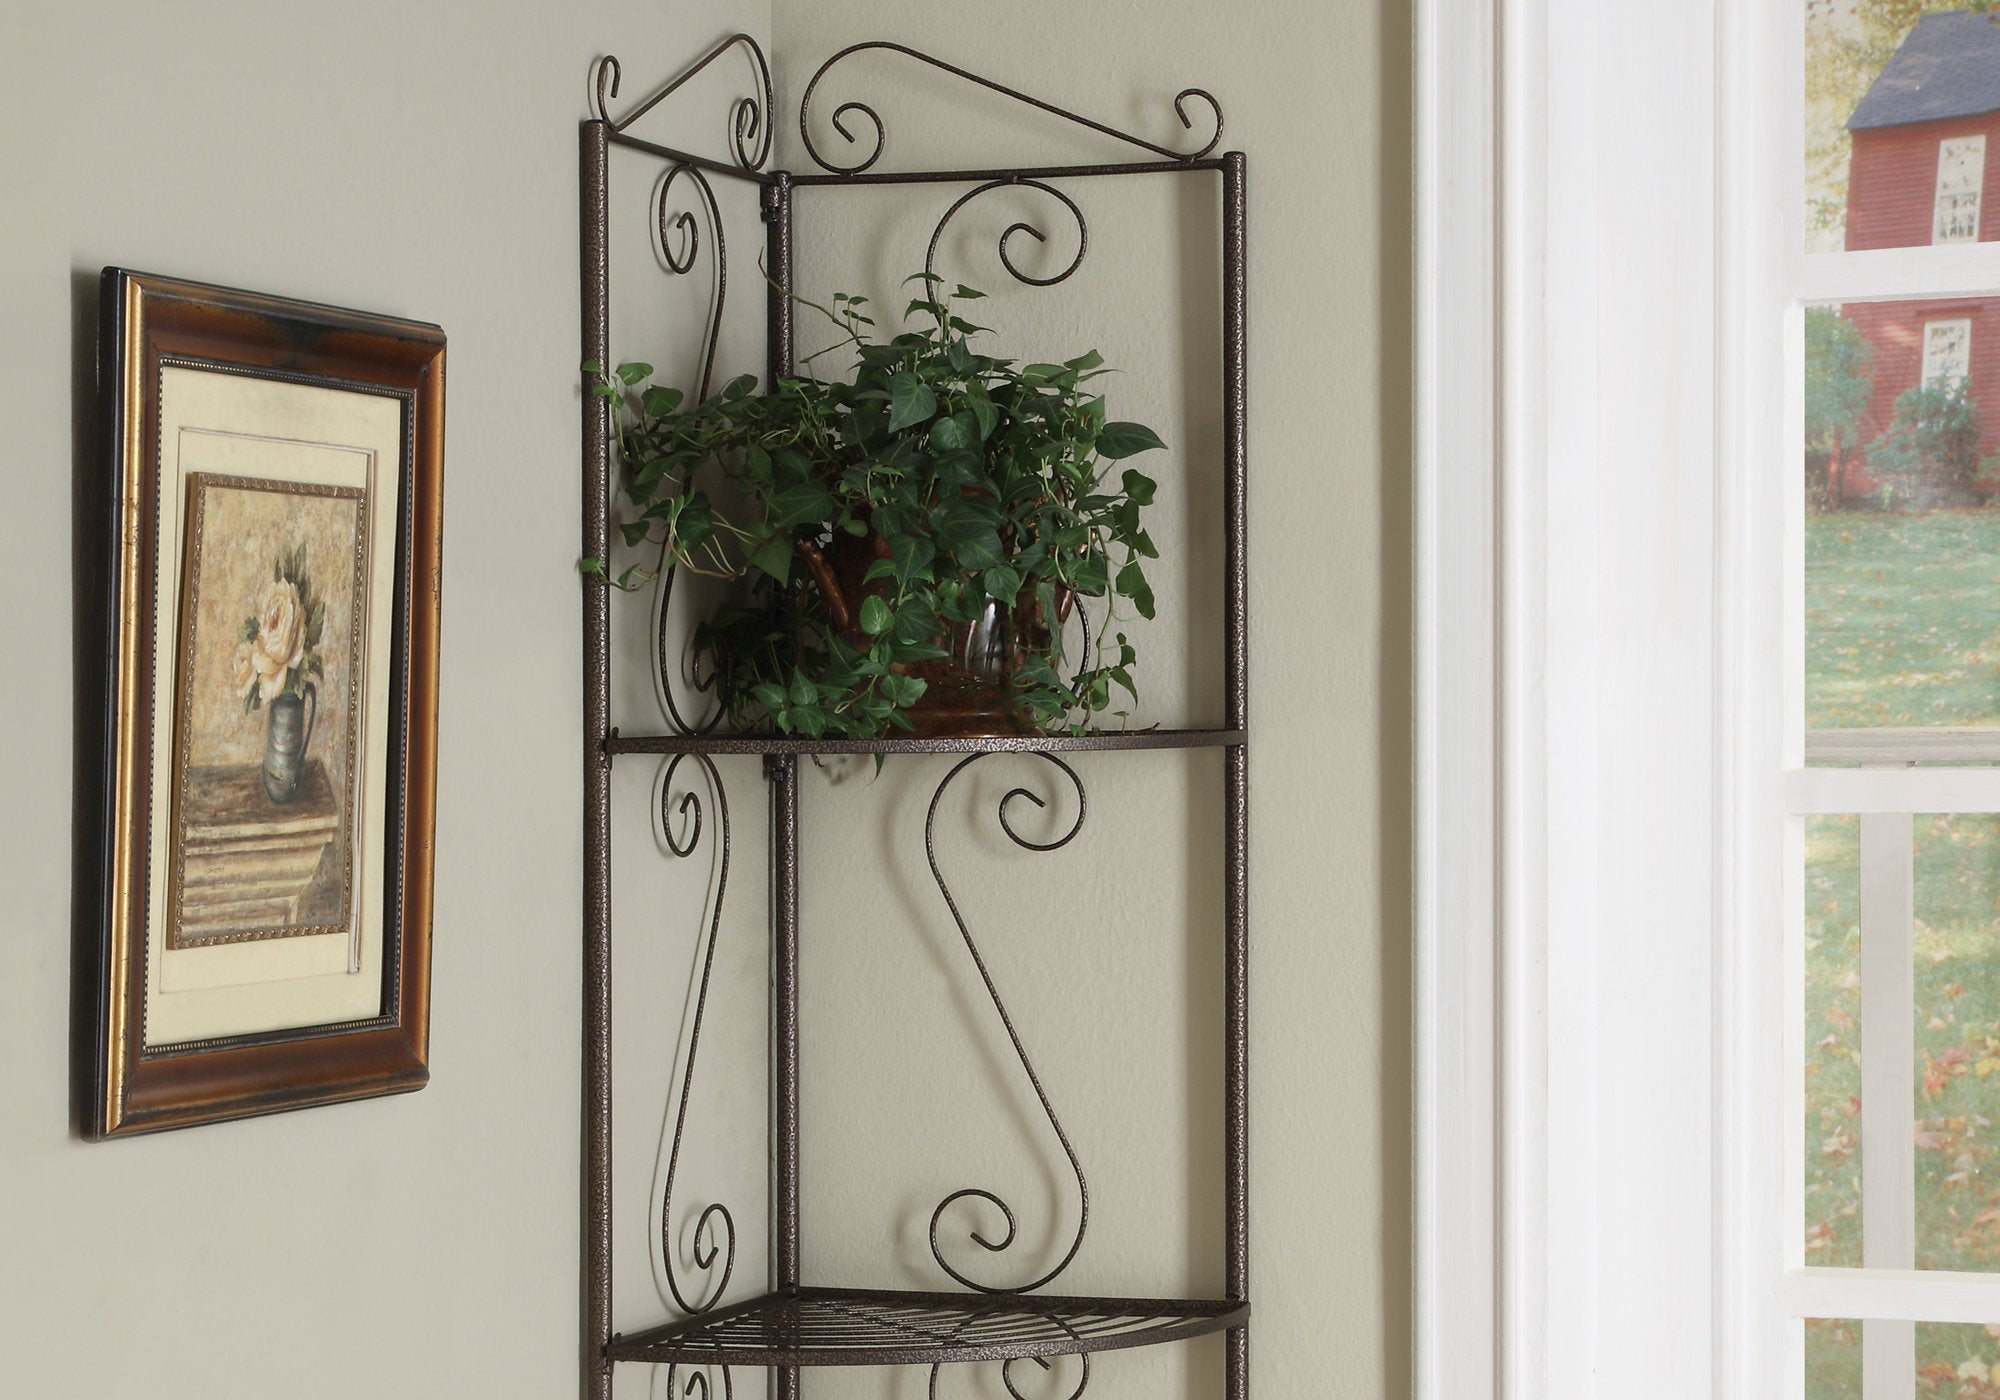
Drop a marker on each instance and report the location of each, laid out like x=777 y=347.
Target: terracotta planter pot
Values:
x=968 y=694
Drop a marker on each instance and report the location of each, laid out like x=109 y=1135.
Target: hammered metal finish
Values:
x=596 y=293
x=1236 y=818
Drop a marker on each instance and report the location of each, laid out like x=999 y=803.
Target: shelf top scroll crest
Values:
x=874 y=118
x=749 y=116
x=751 y=124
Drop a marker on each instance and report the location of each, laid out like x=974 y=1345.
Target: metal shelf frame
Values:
x=794 y=1326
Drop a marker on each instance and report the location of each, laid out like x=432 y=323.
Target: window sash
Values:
x=1947 y=351
x=1961 y=176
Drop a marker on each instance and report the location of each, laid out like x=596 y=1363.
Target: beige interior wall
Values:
x=411 y=158
x=1108 y=950
x=419 y=160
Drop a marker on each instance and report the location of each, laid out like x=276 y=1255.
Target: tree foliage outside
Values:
x=1838 y=383
x=1848 y=42
x=1929 y=455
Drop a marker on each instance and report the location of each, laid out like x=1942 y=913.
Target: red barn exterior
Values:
x=1917 y=176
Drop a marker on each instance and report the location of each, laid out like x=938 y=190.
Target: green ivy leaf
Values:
x=803 y=503
x=1132 y=583
x=1118 y=440
x=811 y=721
x=875 y=615
x=1138 y=486
x=774 y=557
x=911 y=553
x=1003 y=583
x=632 y=373
x=910 y=401
x=659 y=401
x=958 y=433
x=984 y=414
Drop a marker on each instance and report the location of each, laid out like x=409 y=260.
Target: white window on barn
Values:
x=1961 y=176
x=1947 y=351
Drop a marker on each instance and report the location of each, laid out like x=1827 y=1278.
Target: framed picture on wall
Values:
x=259 y=901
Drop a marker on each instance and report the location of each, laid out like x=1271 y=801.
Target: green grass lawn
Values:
x=1902 y=619
x=1903 y=628
x=1957 y=1080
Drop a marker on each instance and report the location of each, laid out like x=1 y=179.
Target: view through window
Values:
x=1900 y=620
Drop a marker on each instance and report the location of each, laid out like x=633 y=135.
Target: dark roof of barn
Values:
x=1949 y=66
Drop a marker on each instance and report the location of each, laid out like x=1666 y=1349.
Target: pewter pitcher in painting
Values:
x=285 y=742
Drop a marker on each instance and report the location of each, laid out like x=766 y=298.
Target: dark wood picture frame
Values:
x=148 y=323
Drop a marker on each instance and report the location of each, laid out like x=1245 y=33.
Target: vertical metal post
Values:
x=1236 y=888
x=596 y=1193
x=778 y=258
x=784 y=776
x=783 y=773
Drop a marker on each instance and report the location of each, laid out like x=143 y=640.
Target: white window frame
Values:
x=1456 y=1226
x=1934 y=370
x=1564 y=543
x=1563 y=667
x=1945 y=207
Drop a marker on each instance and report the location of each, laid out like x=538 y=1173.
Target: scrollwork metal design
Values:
x=1007 y=1367
x=980 y=1193
x=1016 y=182
x=681 y=260
x=847 y=109
x=680 y=254
x=699 y=1380
x=750 y=125
x=663 y=652
x=706 y=1246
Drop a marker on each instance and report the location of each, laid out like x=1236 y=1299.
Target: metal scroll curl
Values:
x=979 y=1193
x=845 y=110
x=1007 y=1367
x=698 y=1380
x=1006 y=261
x=680 y=245
x=749 y=117
x=707 y=1247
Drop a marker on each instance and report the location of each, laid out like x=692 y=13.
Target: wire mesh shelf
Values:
x=870 y=1327
x=1106 y=741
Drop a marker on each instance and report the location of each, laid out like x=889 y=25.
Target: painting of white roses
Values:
x=266 y=703
x=253 y=921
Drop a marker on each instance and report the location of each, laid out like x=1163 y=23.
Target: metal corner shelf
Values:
x=793 y=1327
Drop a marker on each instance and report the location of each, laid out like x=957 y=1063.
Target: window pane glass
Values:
x=1902 y=531
x=1902 y=961
x=1953 y=1361
x=1901 y=96
x=1833 y=1359
x=1833 y=1043
x=1956 y=939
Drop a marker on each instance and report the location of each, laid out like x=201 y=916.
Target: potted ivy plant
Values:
x=913 y=536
